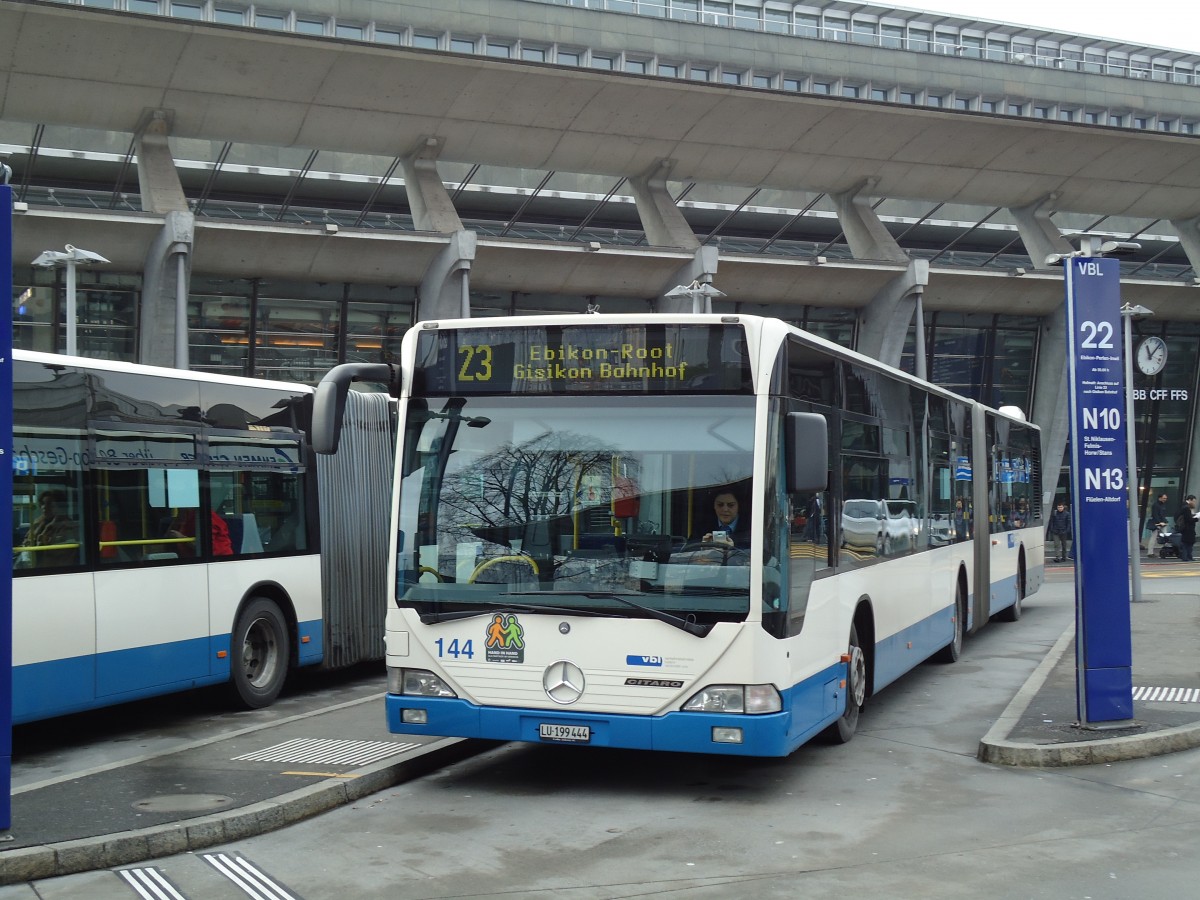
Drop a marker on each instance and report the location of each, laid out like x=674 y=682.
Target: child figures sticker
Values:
x=505 y=639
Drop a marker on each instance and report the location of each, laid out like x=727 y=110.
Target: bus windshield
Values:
x=628 y=506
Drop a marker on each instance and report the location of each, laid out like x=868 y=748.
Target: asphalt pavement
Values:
x=259 y=779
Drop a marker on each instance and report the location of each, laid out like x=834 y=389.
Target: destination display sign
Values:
x=583 y=359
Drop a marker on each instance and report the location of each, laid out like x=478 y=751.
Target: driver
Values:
x=730 y=528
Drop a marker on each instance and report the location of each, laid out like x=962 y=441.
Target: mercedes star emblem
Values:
x=564 y=682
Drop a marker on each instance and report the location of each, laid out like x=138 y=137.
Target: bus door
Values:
x=152 y=618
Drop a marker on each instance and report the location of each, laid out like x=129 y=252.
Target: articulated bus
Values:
x=698 y=533
x=169 y=531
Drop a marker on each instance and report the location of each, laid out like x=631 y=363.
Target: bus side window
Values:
x=225 y=502
x=47 y=497
x=120 y=517
x=272 y=516
x=51 y=539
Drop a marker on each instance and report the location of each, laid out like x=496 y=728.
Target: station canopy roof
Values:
x=270 y=128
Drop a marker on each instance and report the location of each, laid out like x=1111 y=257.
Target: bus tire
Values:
x=953 y=650
x=841 y=731
x=1013 y=613
x=260 y=654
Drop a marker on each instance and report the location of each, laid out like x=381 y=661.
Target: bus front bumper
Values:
x=739 y=735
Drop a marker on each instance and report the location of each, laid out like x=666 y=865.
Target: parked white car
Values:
x=881 y=527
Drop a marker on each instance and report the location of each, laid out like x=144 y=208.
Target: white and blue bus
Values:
x=696 y=533
x=169 y=532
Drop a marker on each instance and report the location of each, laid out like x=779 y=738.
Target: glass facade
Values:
x=286 y=332
x=106 y=313
x=296 y=332
x=1164 y=409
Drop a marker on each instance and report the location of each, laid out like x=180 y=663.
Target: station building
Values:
x=279 y=188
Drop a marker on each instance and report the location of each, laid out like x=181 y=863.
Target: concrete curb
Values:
x=995 y=747
x=125 y=848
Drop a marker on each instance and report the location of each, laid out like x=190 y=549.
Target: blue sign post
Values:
x=6 y=422
x=1100 y=494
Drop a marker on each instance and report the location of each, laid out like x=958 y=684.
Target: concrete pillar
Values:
x=166 y=274
x=1189 y=238
x=662 y=221
x=1041 y=238
x=866 y=235
x=430 y=203
x=163 y=326
x=157 y=179
x=701 y=268
x=445 y=290
x=1050 y=410
x=883 y=323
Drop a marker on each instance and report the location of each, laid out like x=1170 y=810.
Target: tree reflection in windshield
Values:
x=572 y=500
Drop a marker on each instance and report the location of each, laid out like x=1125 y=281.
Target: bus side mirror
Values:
x=329 y=402
x=806 y=446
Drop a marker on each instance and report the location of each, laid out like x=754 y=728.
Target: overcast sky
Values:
x=1156 y=23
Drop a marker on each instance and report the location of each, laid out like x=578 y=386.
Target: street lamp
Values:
x=1129 y=313
x=700 y=293
x=69 y=258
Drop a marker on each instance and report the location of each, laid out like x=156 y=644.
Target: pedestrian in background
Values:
x=1059 y=531
x=1185 y=524
x=1157 y=519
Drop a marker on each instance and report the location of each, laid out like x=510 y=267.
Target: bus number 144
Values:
x=454 y=649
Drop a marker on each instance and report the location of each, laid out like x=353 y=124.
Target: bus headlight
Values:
x=749 y=699
x=417 y=683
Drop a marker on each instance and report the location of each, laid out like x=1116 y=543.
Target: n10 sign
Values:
x=1100 y=491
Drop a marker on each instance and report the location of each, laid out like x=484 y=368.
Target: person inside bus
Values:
x=184 y=526
x=730 y=528
x=1020 y=516
x=51 y=527
x=962 y=522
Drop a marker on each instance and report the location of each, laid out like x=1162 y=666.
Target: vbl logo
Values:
x=643 y=660
x=1088 y=267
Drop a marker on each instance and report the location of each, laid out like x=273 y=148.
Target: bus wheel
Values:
x=843 y=729
x=260 y=654
x=953 y=650
x=1013 y=613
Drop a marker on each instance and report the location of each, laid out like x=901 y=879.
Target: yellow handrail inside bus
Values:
x=148 y=542
x=488 y=563
x=37 y=548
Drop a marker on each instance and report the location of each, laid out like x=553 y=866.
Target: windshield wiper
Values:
x=428 y=618
x=691 y=626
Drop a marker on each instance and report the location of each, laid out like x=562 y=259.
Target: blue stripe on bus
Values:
x=62 y=686
x=808 y=708
x=1004 y=593
x=50 y=688
x=128 y=672
x=313 y=652
x=894 y=657
x=57 y=687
